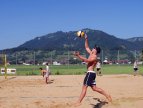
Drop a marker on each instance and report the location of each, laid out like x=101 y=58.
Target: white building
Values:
x=56 y=63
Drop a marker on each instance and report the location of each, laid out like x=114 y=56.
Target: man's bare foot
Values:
x=77 y=104
x=109 y=98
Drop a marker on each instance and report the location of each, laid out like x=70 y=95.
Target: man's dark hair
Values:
x=98 y=49
x=47 y=63
x=40 y=68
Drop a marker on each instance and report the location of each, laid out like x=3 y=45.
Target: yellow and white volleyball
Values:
x=80 y=34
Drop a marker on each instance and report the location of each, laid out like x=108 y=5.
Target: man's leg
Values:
x=100 y=72
x=101 y=91
x=135 y=72
x=82 y=95
x=47 y=78
x=43 y=74
x=97 y=72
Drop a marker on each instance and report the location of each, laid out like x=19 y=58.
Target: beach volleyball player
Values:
x=90 y=77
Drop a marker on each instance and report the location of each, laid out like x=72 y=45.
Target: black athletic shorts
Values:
x=135 y=69
x=89 y=79
x=98 y=69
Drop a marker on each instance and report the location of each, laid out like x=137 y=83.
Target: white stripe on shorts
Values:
x=91 y=71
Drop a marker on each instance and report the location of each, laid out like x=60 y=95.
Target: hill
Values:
x=137 y=40
x=69 y=41
x=56 y=47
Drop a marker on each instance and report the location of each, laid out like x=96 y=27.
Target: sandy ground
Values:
x=63 y=90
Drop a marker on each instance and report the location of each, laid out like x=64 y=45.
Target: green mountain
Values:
x=57 y=46
x=69 y=41
x=137 y=40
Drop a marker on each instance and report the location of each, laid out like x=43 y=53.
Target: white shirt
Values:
x=98 y=65
x=48 y=69
x=135 y=65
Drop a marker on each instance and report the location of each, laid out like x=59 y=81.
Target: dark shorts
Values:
x=135 y=69
x=89 y=79
x=98 y=69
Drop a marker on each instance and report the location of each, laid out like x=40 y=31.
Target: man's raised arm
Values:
x=86 y=44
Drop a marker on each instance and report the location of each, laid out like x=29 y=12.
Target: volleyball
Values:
x=80 y=34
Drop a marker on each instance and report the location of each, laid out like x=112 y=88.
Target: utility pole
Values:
x=118 y=56
x=135 y=54
x=34 y=58
x=51 y=58
x=102 y=56
x=16 y=58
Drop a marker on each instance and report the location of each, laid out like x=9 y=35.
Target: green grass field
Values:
x=74 y=69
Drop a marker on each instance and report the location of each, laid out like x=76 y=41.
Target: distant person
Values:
x=48 y=71
x=89 y=79
x=43 y=72
x=135 y=68
x=98 y=68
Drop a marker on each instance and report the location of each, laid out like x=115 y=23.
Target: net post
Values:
x=5 y=66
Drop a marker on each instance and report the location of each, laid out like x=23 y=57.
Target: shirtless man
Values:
x=89 y=79
x=45 y=74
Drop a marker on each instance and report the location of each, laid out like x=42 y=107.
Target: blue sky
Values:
x=23 y=20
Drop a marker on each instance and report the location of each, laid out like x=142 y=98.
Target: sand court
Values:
x=63 y=90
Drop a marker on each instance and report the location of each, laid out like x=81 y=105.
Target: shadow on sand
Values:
x=99 y=104
x=7 y=79
x=50 y=82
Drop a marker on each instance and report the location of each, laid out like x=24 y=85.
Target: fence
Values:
x=69 y=63
x=67 y=57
